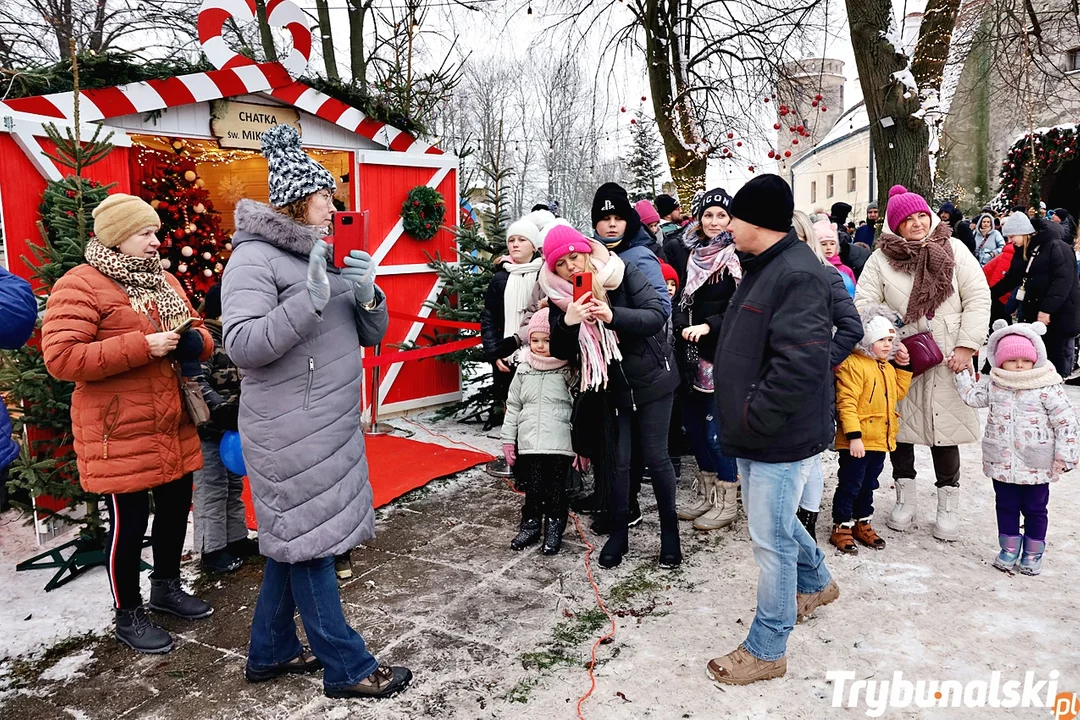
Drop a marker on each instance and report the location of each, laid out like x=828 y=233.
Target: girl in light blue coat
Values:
x=988 y=241
x=537 y=439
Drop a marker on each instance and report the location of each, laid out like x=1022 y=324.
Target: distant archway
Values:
x=1062 y=189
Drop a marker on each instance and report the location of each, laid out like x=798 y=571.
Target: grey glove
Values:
x=360 y=270
x=318 y=284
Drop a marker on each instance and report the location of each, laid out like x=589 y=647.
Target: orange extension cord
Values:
x=588 y=570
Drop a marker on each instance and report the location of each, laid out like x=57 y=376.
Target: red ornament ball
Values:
x=776 y=126
x=783 y=111
x=814 y=104
x=633 y=121
x=622 y=109
x=738 y=144
x=817 y=97
x=766 y=99
x=800 y=129
x=795 y=141
x=643 y=98
x=824 y=109
x=787 y=153
x=751 y=168
x=730 y=135
x=772 y=154
x=178 y=233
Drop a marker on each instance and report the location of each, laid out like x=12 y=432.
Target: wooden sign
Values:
x=241 y=125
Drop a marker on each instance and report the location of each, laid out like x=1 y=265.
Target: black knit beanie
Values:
x=665 y=205
x=765 y=201
x=611 y=199
x=717 y=197
x=212 y=303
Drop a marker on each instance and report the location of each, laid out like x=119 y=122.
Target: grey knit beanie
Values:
x=293 y=175
x=1017 y=224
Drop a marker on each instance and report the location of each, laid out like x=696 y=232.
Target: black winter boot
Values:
x=586 y=504
x=528 y=534
x=220 y=561
x=169 y=596
x=553 y=535
x=134 y=629
x=617 y=544
x=808 y=520
x=670 y=546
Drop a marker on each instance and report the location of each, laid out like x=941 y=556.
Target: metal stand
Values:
x=376 y=427
x=87 y=551
x=499 y=468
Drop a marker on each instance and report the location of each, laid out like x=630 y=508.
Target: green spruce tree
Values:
x=466 y=279
x=645 y=159
x=46 y=465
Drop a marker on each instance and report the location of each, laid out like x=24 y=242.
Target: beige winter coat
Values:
x=933 y=413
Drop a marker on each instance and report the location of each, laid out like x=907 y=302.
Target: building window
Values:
x=813 y=192
x=828 y=186
x=1072 y=60
x=851 y=180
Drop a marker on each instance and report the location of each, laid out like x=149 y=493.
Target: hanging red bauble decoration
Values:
x=622 y=109
x=738 y=144
x=766 y=99
x=642 y=98
x=795 y=141
x=751 y=168
x=772 y=154
x=730 y=135
x=818 y=97
x=783 y=111
x=178 y=233
x=633 y=121
x=776 y=126
x=814 y=104
x=800 y=129
x=787 y=153
x=824 y=109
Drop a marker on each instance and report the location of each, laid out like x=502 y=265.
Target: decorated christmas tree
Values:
x=193 y=246
x=466 y=280
x=46 y=466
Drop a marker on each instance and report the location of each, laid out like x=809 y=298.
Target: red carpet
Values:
x=398 y=465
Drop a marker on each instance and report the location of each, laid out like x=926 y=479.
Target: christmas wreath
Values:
x=422 y=212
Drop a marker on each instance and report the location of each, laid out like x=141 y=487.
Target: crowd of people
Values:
x=746 y=333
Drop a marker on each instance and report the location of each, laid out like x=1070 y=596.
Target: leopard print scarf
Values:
x=143 y=279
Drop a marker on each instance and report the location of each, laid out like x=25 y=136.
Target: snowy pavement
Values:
x=490 y=633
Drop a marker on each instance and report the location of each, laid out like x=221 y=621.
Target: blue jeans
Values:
x=312 y=588
x=788 y=559
x=702 y=431
x=855 y=486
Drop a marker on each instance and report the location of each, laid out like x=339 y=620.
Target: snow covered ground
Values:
x=496 y=634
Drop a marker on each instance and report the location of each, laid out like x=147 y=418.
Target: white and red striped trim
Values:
x=270 y=78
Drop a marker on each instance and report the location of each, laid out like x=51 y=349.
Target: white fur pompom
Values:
x=999 y=324
x=1036 y=327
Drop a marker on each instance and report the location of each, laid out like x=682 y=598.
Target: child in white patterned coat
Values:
x=1030 y=439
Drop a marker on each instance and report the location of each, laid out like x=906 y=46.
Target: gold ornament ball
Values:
x=228 y=246
x=208 y=272
x=199 y=208
x=177 y=144
x=199 y=183
x=186 y=251
x=218 y=268
x=181 y=268
x=154 y=203
x=206 y=256
x=166 y=263
x=190 y=176
x=190 y=227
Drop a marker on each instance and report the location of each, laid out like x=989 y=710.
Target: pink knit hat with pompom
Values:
x=902 y=205
x=539 y=322
x=561 y=240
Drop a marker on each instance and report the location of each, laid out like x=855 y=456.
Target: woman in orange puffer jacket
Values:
x=103 y=330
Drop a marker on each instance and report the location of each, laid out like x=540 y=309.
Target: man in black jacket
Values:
x=960 y=229
x=774 y=392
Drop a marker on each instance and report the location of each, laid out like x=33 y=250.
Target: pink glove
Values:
x=510 y=453
x=581 y=464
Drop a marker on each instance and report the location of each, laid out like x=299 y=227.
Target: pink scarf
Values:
x=715 y=258
x=539 y=362
x=598 y=343
x=839 y=265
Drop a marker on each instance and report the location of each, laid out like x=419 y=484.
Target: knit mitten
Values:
x=360 y=270
x=318 y=284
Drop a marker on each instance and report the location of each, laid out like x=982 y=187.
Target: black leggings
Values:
x=544 y=480
x=946 y=463
x=128 y=516
x=645 y=430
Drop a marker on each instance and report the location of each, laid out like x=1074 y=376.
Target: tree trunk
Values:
x=901 y=150
x=327 y=37
x=98 y=34
x=675 y=124
x=265 y=36
x=357 y=61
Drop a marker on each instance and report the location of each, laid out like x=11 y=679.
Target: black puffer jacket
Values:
x=846 y=320
x=773 y=371
x=852 y=255
x=648 y=369
x=1052 y=285
x=496 y=347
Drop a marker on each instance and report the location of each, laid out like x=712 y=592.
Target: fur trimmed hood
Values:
x=259 y=221
x=867 y=314
x=1032 y=331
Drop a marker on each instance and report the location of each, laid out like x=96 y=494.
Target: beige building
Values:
x=840 y=168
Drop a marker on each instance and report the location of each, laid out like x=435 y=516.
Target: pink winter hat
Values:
x=902 y=205
x=646 y=212
x=539 y=323
x=1015 y=347
x=561 y=240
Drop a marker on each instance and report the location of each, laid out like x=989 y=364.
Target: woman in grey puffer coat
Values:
x=294 y=326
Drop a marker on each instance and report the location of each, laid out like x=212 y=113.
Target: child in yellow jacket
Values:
x=869 y=384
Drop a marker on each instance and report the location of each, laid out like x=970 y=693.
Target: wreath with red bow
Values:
x=423 y=212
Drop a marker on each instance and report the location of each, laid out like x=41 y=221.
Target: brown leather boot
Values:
x=741 y=668
x=842 y=539
x=807 y=603
x=865 y=534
